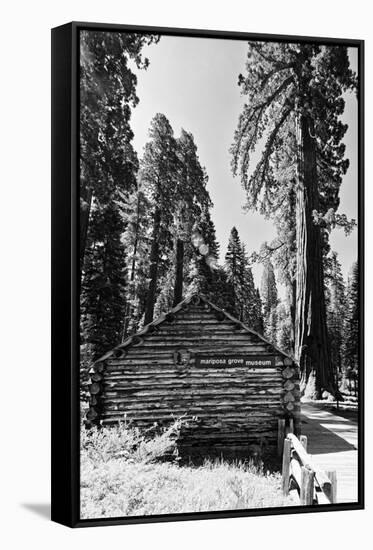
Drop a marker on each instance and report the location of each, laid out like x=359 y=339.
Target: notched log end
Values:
x=137 y=340
x=119 y=352
x=220 y=316
x=99 y=366
x=288 y=373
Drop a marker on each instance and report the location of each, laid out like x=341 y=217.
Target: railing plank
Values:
x=299 y=473
x=306 y=461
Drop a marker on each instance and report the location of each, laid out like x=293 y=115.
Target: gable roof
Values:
x=195 y=298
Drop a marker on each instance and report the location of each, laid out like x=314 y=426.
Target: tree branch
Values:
x=264 y=161
x=260 y=107
x=275 y=71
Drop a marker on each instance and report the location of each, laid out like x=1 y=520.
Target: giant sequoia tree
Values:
x=137 y=217
x=108 y=167
x=108 y=161
x=176 y=186
x=293 y=110
x=193 y=200
x=268 y=288
x=269 y=295
x=160 y=167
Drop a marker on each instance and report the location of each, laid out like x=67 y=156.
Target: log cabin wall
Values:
x=192 y=363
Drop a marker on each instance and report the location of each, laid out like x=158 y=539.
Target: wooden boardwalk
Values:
x=332 y=443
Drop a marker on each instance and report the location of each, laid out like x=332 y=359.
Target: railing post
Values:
x=280 y=435
x=286 y=466
x=332 y=475
x=307 y=486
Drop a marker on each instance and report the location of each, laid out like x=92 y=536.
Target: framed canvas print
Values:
x=207 y=277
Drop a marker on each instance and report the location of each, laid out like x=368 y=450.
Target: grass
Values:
x=126 y=472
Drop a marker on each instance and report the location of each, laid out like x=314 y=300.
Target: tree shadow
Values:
x=42 y=510
x=348 y=414
x=267 y=460
x=326 y=435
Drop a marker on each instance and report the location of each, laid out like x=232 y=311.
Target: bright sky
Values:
x=193 y=81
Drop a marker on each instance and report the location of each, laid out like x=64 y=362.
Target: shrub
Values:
x=124 y=442
x=123 y=473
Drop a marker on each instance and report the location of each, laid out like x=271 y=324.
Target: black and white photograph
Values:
x=219 y=291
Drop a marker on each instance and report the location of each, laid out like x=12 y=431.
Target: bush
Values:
x=123 y=473
x=123 y=442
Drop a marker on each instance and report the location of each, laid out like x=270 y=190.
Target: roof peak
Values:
x=194 y=298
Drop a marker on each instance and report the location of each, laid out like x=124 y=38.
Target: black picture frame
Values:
x=65 y=273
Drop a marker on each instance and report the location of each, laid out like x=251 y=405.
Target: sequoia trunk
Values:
x=311 y=338
x=178 y=290
x=129 y=308
x=153 y=272
x=85 y=209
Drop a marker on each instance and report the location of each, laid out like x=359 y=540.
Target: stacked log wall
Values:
x=226 y=409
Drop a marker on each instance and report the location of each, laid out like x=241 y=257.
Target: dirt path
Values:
x=332 y=442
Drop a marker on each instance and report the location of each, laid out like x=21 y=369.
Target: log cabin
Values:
x=228 y=383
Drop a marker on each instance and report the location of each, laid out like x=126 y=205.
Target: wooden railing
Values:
x=301 y=479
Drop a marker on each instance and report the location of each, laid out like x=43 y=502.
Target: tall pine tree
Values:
x=247 y=305
x=352 y=320
x=336 y=307
x=234 y=266
x=103 y=284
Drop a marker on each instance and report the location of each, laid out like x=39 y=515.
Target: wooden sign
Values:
x=249 y=361
x=182 y=357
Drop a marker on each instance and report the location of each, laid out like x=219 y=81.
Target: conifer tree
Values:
x=268 y=290
x=246 y=305
x=352 y=321
x=204 y=275
x=103 y=285
x=271 y=327
x=136 y=242
x=107 y=93
x=160 y=167
x=269 y=296
x=284 y=328
x=234 y=267
x=193 y=200
x=258 y=323
x=252 y=308
x=108 y=167
x=336 y=306
x=203 y=259
x=294 y=103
